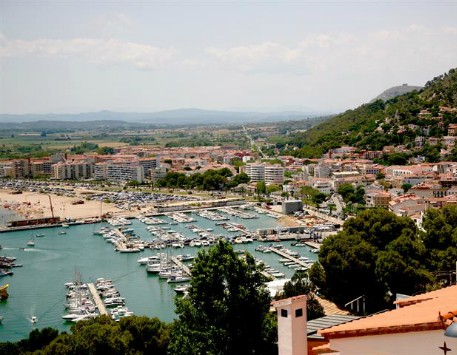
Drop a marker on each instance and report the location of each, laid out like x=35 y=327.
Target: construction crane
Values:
x=52 y=209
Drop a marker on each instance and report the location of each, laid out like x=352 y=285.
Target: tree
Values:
x=406 y=186
x=105 y=150
x=227 y=308
x=312 y=196
x=300 y=284
x=440 y=238
x=273 y=188
x=101 y=335
x=350 y=194
x=241 y=178
x=260 y=188
x=376 y=254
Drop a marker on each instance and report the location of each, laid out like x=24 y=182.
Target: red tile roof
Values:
x=428 y=311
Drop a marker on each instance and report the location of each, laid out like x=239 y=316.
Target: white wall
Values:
x=413 y=343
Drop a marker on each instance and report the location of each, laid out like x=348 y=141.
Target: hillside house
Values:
x=416 y=326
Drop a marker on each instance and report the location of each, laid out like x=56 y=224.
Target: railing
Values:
x=357 y=304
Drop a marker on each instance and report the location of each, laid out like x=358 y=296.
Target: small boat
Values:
x=181 y=288
x=177 y=278
x=185 y=257
x=34 y=319
x=62 y=232
x=39 y=235
x=65 y=225
x=31 y=243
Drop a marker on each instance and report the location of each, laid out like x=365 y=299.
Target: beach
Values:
x=36 y=205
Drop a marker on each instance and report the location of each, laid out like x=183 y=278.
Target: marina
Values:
x=36 y=288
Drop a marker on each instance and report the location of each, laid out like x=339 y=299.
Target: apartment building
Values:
x=148 y=164
x=255 y=171
x=271 y=174
x=119 y=171
x=322 y=171
x=20 y=168
x=274 y=174
x=378 y=199
x=72 y=170
x=41 y=167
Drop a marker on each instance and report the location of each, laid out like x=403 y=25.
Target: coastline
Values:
x=31 y=205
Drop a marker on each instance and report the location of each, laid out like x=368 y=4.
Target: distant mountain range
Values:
x=170 y=117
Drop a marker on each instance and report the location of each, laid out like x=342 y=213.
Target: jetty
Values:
x=180 y=265
x=98 y=301
x=291 y=258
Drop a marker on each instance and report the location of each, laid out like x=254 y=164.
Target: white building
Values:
x=119 y=171
x=271 y=174
x=255 y=171
x=322 y=170
x=323 y=186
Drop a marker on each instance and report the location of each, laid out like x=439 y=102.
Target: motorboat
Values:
x=31 y=243
x=129 y=250
x=185 y=257
x=181 y=288
x=146 y=260
x=34 y=319
x=178 y=278
x=39 y=235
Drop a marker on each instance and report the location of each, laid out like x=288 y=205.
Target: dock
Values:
x=291 y=258
x=313 y=245
x=98 y=301
x=179 y=264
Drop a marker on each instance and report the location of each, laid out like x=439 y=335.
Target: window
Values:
x=298 y=312
x=284 y=313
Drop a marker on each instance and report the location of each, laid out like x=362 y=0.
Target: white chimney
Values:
x=292 y=338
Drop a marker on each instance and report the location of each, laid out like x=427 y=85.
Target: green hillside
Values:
x=397 y=121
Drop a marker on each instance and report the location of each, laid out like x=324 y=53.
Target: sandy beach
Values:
x=36 y=205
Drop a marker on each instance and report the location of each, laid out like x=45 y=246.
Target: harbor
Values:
x=36 y=288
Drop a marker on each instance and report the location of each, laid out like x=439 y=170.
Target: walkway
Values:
x=98 y=302
x=179 y=264
x=291 y=258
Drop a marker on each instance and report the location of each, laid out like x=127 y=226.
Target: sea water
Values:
x=37 y=289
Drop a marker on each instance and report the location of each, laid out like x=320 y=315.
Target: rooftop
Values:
x=418 y=313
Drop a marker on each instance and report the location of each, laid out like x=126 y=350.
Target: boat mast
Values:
x=52 y=209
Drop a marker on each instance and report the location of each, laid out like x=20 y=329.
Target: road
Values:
x=253 y=145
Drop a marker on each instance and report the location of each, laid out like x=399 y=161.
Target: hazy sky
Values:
x=143 y=56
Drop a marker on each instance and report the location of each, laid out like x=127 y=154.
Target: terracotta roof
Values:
x=427 y=311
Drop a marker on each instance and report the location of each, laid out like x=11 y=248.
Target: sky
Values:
x=71 y=56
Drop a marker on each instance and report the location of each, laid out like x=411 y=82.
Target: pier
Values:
x=98 y=301
x=179 y=264
x=291 y=258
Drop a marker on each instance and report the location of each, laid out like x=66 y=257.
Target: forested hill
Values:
x=397 y=121
x=396 y=91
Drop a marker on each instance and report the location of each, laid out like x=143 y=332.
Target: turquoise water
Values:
x=37 y=288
